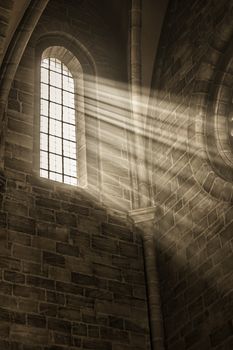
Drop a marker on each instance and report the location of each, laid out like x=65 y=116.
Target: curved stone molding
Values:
x=83 y=68
x=14 y=54
x=218 y=185
x=210 y=149
x=44 y=37
x=219 y=118
x=17 y=47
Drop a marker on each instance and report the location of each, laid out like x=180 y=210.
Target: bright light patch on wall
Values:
x=58 y=150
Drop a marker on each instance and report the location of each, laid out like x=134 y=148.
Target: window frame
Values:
x=91 y=167
x=62 y=174
x=59 y=51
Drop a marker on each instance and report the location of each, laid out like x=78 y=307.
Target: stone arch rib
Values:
x=13 y=56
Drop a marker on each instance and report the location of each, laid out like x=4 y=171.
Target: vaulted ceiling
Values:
x=117 y=12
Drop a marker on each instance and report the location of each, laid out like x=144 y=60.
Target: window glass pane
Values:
x=55 y=163
x=66 y=71
x=55 y=79
x=68 y=115
x=70 y=180
x=55 y=94
x=67 y=180
x=55 y=127
x=44 y=159
x=44 y=124
x=69 y=132
x=55 y=111
x=55 y=145
x=55 y=65
x=44 y=75
x=73 y=171
x=44 y=142
x=68 y=99
x=45 y=63
x=55 y=176
x=52 y=176
x=44 y=173
x=44 y=91
x=58 y=149
x=70 y=167
x=69 y=149
x=44 y=107
x=68 y=83
x=73 y=181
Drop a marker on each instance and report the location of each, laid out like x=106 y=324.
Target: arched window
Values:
x=66 y=131
x=58 y=145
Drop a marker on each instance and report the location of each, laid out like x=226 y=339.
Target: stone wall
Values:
x=72 y=273
x=6 y=12
x=194 y=213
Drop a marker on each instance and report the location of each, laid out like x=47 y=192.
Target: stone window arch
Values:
x=219 y=126
x=83 y=71
x=62 y=122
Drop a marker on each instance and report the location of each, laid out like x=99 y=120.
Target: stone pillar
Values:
x=142 y=190
x=144 y=220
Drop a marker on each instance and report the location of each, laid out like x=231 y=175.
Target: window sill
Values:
x=36 y=180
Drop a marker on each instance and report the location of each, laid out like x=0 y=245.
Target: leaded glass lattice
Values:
x=58 y=151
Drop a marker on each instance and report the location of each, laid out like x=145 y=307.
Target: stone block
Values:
x=104 y=244
x=21 y=224
x=26 y=253
x=29 y=292
x=67 y=249
x=59 y=325
x=40 y=282
x=14 y=277
x=36 y=321
x=53 y=259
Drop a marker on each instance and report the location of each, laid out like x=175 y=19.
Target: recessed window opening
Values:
x=58 y=143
